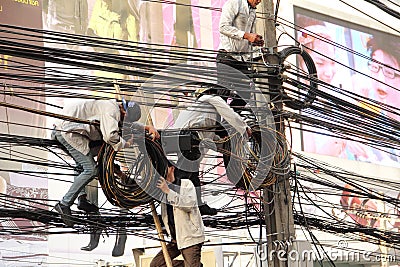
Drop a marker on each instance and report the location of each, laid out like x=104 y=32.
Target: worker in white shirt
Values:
x=75 y=137
x=208 y=111
x=238 y=36
x=182 y=220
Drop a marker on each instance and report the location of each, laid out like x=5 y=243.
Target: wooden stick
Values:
x=167 y=258
x=46 y=113
x=117 y=90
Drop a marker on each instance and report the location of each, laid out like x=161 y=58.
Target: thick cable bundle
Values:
x=144 y=164
x=248 y=166
x=309 y=97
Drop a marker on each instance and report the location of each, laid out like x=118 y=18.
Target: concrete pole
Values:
x=277 y=197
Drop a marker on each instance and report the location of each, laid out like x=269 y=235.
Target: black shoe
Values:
x=65 y=212
x=206 y=210
x=119 y=247
x=85 y=205
x=94 y=241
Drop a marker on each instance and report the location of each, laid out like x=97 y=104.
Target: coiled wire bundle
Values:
x=129 y=177
x=248 y=166
x=307 y=94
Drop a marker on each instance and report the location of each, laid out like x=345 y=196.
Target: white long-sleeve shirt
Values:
x=236 y=19
x=189 y=225
x=78 y=135
x=205 y=112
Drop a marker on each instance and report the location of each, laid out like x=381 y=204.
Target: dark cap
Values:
x=132 y=109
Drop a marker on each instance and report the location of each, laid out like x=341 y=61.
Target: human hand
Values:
x=120 y=174
x=129 y=142
x=259 y=41
x=152 y=132
x=124 y=178
x=163 y=185
x=249 y=131
x=254 y=38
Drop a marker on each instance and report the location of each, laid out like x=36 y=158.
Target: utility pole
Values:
x=277 y=197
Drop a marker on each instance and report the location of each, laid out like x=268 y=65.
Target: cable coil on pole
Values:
x=310 y=96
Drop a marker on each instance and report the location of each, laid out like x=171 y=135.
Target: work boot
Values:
x=120 y=240
x=94 y=240
x=207 y=210
x=65 y=212
x=85 y=205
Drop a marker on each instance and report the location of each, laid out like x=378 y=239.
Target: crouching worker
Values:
x=209 y=110
x=75 y=138
x=182 y=219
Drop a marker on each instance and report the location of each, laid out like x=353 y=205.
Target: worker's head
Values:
x=130 y=111
x=253 y=3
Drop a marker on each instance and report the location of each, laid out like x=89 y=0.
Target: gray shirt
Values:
x=206 y=111
x=78 y=135
x=236 y=19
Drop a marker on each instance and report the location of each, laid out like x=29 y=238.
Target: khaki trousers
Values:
x=191 y=256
